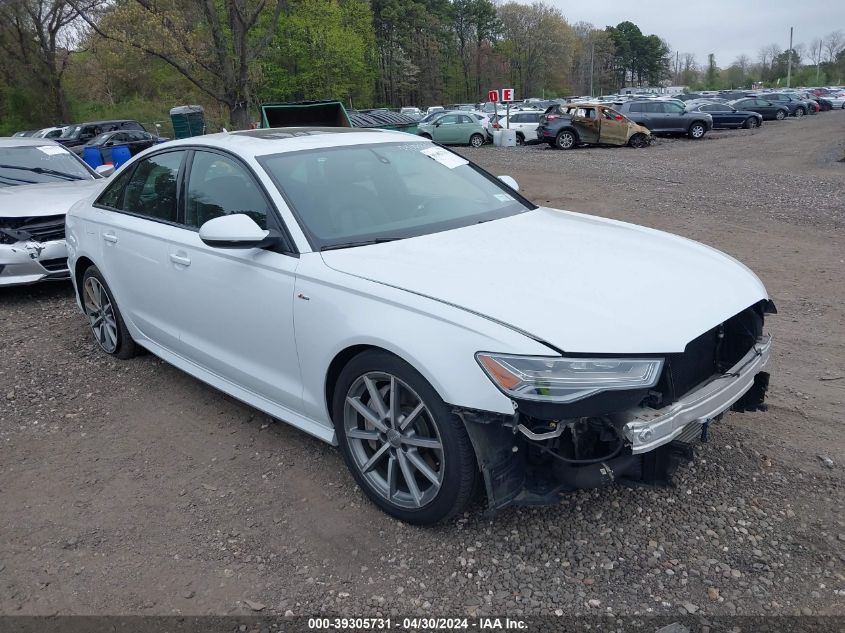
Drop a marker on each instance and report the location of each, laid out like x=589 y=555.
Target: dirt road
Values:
x=129 y=487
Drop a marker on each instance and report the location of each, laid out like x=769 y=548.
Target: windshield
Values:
x=28 y=165
x=343 y=196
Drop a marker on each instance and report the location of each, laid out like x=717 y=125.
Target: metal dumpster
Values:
x=188 y=120
x=331 y=114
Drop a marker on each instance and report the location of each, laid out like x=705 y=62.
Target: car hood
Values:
x=45 y=199
x=578 y=282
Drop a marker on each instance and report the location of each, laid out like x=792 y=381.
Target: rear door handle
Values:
x=110 y=237
x=182 y=260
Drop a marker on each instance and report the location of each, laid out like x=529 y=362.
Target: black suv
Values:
x=81 y=133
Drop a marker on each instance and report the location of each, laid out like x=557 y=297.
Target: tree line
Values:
x=819 y=62
x=65 y=59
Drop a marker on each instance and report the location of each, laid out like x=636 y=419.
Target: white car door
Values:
x=234 y=307
x=137 y=215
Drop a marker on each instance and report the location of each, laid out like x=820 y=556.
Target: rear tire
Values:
x=565 y=140
x=420 y=472
x=520 y=139
x=476 y=140
x=104 y=317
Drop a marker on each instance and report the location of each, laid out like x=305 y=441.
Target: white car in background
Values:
x=525 y=123
x=837 y=99
x=385 y=294
x=49 y=132
x=39 y=181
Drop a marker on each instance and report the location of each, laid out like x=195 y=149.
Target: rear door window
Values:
x=153 y=190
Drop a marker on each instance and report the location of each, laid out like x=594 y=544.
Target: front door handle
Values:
x=182 y=260
x=110 y=237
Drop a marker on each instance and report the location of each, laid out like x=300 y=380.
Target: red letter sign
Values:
x=507 y=94
x=493 y=96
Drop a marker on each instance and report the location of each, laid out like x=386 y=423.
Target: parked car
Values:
x=433 y=109
x=726 y=116
x=49 y=132
x=525 y=123
x=569 y=125
x=454 y=128
x=825 y=104
x=797 y=107
x=135 y=140
x=837 y=99
x=24 y=133
x=414 y=113
x=39 y=181
x=81 y=133
x=429 y=365
x=768 y=109
x=667 y=118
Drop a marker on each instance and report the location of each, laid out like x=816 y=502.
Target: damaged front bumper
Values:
x=522 y=465
x=652 y=428
x=30 y=261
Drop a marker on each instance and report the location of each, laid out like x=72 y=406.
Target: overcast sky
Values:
x=727 y=28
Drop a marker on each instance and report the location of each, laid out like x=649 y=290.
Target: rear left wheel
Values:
x=410 y=454
x=104 y=318
x=565 y=140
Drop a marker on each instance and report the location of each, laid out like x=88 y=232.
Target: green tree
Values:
x=711 y=76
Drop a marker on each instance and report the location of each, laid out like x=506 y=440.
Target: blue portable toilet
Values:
x=92 y=156
x=119 y=155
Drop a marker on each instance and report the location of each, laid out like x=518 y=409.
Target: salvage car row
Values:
x=342 y=242
x=631 y=121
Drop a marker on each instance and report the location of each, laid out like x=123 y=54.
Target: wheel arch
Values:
x=82 y=264
x=701 y=121
x=336 y=366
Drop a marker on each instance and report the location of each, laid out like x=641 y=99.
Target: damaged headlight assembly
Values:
x=564 y=380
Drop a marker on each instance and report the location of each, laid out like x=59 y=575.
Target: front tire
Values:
x=476 y=140
x=780 y=115
x=750 y=123
x=406 y=449
x=638 y=140
x=565 y=140
x=799 y=112
x=104 y=317
x=697 y=131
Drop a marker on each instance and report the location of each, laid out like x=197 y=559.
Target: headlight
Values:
x=556 y=379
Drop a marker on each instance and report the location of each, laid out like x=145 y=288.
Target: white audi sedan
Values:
x=386 y=295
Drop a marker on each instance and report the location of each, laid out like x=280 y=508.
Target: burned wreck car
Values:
x=569 y=125
x=418 y=312
x=39 y=181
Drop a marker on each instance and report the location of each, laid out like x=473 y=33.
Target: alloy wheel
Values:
x=697 y=131
x=476 y=140
x=565 y=140
x=394 y=440
x=799 y=113
x=780 y=115
x=100 y=313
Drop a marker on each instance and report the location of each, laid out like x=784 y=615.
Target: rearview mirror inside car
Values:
x=510 y=182
x=236 y=230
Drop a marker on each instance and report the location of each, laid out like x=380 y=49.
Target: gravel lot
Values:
x=131 y=488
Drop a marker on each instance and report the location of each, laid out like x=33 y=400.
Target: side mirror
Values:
x=105 y=170
x=510 y=182
x=437 y=124
x=235 y=231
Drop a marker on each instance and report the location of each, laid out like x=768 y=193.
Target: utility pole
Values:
x=818 y=61
x=677 y=68
x=592 y=57
x=789 y=60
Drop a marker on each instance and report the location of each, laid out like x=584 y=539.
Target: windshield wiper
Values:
x=378 y=240
x=44 y=170
x=16 y=180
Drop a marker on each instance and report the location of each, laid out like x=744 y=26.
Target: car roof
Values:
x=264 y=141
x=19 y=141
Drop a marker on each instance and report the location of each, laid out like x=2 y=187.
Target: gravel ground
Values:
x=131 y=488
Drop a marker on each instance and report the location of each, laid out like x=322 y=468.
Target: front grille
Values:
x=712 y=353
x=43 y=228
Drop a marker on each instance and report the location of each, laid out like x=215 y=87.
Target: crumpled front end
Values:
x=544 y=450
x=32 y=249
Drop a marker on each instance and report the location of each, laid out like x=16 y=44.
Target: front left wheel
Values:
x=476 y=140
x=104 y=317
x=406 y=449
x=697 y=130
